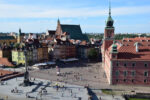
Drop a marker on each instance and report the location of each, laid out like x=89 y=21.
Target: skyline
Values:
x=129 y=16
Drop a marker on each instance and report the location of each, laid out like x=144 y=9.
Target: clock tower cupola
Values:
x=109 y=29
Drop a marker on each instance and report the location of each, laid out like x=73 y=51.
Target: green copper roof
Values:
x=114 y=48
x=109 y=22
x=114 y=45
x=74 y=31
x=6 y=38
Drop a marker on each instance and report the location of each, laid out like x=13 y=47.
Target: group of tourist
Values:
x=15 y=90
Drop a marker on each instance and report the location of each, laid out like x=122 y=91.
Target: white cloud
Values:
x=131 y=10
x=26 y=11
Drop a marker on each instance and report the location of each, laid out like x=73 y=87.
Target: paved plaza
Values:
x=41 y=90
x=78 y=75
x=91 y=74
x=83 y=73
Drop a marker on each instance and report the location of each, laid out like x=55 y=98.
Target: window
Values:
x=132 y=80
x=125 y=73
x=117 y=72
x=133 y=64
x=145 y=64
x=146 y=73
x=125 y=80
x=19 y=58
x=114 y=56
x=133 y=73
x=125 y=64
x=19 y=54
x=117 y=64
x=117 y=80
x=145 y=81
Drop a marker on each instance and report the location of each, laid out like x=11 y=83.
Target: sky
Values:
x=130 y=16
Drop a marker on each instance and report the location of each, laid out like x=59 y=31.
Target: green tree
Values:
x=92 y=54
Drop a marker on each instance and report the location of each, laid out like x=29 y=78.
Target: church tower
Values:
x=19 y=36
x=58 y=29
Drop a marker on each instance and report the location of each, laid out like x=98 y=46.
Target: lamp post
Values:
x=26 y=81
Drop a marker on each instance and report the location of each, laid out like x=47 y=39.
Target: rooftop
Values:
x=127 y=49
x=4 y=61
x=7 y=37
x=74 y=31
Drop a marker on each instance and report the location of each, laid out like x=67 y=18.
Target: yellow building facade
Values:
x=7 y=39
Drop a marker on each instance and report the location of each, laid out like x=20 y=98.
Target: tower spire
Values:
x=58 y=21
x=109 y=8
x=109 y=22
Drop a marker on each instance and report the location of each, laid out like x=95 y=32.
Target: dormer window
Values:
x=148 y=40
x=142 y=40
x=130 y=40
x=123 y=40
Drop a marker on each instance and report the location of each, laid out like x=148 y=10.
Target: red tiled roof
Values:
x=127 y=50
x=50 y=38
x=4 y=61
x=5 y=72
x=83 y=43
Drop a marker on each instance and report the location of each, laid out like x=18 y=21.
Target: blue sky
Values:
x=130 y=16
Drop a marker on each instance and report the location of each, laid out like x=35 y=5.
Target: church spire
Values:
x=19 y=31
x=19 y=36
x=58 y=21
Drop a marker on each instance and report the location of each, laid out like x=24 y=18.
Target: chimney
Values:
x=136 y=46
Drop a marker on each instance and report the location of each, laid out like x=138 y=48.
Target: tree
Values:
x=92 y=54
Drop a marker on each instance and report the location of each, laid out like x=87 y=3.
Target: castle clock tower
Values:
x=108 y=34
x=109 y=31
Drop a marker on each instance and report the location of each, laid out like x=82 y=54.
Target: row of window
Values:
x=133 y=80
x=133 y=73
x=133 y=64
